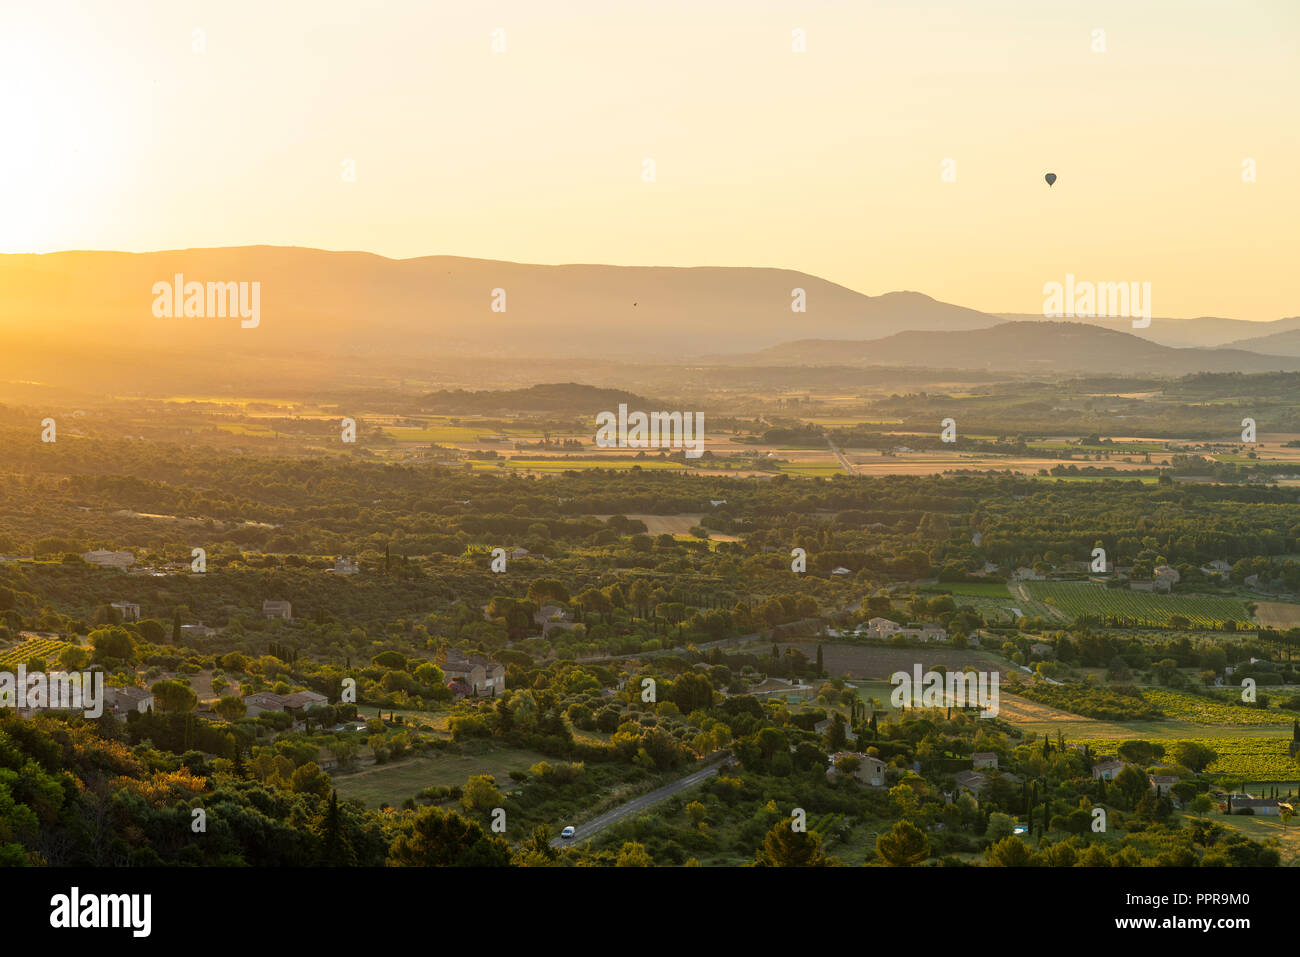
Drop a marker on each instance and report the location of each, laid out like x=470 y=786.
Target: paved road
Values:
x=844 y=463
x=637 y=805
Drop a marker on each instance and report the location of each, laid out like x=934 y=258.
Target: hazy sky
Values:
x=115 y=133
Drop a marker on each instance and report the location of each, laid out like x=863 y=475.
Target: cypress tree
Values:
x=336 y=851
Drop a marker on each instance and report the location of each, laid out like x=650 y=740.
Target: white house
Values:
x=1161 y=783
x=482 y=675
x=128 y=610
x=1269 y=806
x=1166 y=573
x=1107 y=770
x=933 y=633
x=261 y=701
x=122 y=701
x=277 y=609
x=871 y=770
x=302 y=700
x=926 y=632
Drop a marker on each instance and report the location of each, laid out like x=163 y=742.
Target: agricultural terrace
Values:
x=46 y=649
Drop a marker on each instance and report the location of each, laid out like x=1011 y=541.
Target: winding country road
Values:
x=636 y=805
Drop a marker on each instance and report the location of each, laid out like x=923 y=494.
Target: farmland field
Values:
x=1141 y=479
x=1075 y=599
x=1278 y=614
x=435 y=721
x=23 y=652
x=557 y=464
x=1264 y=829
x=1253 y=758
x=880 y=690
x=435 y=433
x=1213 y=711
x=1044 y=719
x=811 y=467
x=394 y=783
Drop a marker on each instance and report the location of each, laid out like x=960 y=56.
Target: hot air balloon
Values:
x=1051 y=178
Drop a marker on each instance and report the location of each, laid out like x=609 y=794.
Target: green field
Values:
x=435 y=433
x=811 y=467
x=880 y=690
x=1213 y=711
x=237 y=428
x=1263 y=829
x=1074 y=599
x=1119 y=448
x=1143 y=479
x=563 y=465
x=1253 y=758
x=394 y=783
x=430 y=720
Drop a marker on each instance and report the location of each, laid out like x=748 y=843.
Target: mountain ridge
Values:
x=341 y=311
x=1027 y=346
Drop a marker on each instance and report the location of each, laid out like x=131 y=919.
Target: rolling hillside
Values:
x=1026 y=347
x=1202 y=332
x=1277 y=344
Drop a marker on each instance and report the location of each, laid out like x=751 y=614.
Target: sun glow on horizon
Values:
x=151 y=126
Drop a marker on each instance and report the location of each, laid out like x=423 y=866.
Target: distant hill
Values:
x=85 y=320
x=1202 y=332
x=1046 y=346
x=360 y=305
x=1277 y=344
x=550 y=397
